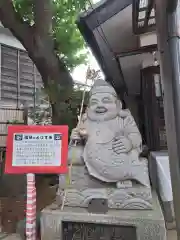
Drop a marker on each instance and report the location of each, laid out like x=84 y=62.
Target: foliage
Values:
x=69 y=109
x=67 y=38
x=41 y=115
x=15 y=122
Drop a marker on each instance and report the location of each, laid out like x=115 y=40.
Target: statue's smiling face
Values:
x=102 y=106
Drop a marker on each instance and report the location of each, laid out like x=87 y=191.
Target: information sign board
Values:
x=37 y=149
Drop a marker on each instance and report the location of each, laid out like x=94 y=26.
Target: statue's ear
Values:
x=119 y=104
x=122 y=112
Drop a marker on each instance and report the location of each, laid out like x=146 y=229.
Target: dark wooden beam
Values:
x=145 y=49
x=100 y=14
x=135 y=13
x=91 y=42
x=142 y=30
x=148 y=13
x=146 y=28
x=143 y=19
x=87 y=24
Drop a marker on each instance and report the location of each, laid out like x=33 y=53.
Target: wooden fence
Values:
x=10 y=116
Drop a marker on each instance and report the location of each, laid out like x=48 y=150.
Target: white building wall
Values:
x=148 y=39
x=8 y=39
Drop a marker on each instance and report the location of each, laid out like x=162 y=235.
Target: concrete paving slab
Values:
x=171 y=235
x=4 y=236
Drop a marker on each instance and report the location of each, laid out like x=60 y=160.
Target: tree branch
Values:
x=11 y=20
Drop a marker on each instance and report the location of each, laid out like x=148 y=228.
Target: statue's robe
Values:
x=102 y=161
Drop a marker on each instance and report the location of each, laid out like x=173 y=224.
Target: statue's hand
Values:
x=121 y=144
x=83 y=133
x=75 y=135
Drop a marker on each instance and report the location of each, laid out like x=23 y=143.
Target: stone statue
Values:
x=106 y=162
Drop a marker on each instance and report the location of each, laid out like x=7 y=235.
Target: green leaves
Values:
x=67 y=38
x=25 y=9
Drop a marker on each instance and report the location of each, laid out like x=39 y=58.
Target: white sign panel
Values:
x=37 y=149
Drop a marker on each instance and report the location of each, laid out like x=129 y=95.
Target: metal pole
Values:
x=167 y=17
x=171 y=5
x=18 y=78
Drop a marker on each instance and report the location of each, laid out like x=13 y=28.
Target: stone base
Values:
x=84 y=187
x=129 y=198
x=149 y=224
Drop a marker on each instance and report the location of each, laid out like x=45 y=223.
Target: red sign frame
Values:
x=61 y=169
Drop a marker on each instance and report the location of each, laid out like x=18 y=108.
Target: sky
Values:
x=79 y=73
x=95 y=1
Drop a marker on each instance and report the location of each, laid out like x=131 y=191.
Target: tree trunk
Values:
x=57 y=116
x=54 y=75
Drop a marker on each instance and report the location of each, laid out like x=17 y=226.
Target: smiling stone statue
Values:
x=106 y=159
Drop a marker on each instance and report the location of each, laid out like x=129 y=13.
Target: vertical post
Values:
x=0 y=73
x=169 y=49
x=35 y=83
x=25 y=115
x=18 y=78
x=1 y=209
x=31 y=208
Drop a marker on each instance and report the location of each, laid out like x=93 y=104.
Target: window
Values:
x=19 y=76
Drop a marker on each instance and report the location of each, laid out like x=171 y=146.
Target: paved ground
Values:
x=10 y=237
x=171 y=235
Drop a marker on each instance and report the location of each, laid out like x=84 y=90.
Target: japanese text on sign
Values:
x=37 y=149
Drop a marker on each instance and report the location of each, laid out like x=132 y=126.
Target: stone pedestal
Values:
x=129 y=224
x=84 y=187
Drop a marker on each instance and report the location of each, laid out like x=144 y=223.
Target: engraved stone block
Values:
x=89 y=231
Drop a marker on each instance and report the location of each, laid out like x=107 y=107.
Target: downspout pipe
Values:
x=173 y=44
x=168 y=35
x=173 y=40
